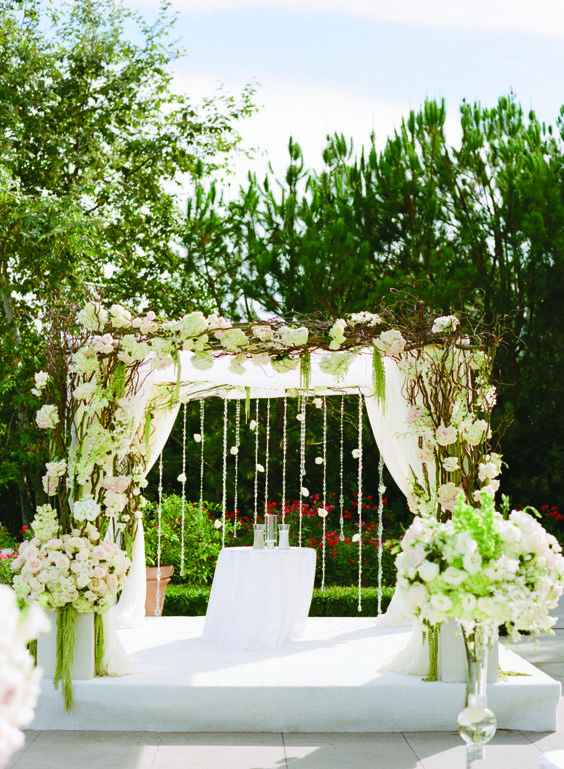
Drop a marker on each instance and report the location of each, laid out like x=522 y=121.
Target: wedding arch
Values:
x=114 y=382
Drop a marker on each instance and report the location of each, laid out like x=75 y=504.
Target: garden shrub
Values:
x=192 y=601
x=202 y=540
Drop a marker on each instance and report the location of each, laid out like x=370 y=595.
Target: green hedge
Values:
x=192 y=601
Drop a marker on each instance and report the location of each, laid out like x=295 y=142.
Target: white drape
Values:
x=389 y=423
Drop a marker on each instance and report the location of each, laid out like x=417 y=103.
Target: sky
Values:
x=359 y=66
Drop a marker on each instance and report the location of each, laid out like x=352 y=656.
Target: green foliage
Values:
x=92 y=142
x=343 y=602
x=477 y=227
x=6 y=539
x=191 y=601
x=202 y=541
x=186 y=600
x=6 y=573
x=480 y=524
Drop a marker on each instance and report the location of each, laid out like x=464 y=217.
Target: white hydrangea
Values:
x=191 y=325
x=93 y=316
x=390 y=343
x=367 y=318
x=41 y=379
x=337 y=334
x=119 y=316
x=293 y=337
x=445 y=324
x=202 y=360
x=85 y=391
x=234 y=339
x=47 y=417
x=86 y=509
x=262 y=332
x=146 y=324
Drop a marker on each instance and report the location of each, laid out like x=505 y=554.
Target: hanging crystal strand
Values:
x=236 y=452
x=159 y=533
x=202 y=419
x=381 y=491
x=284 y=448
x=183 y=481
x=341 y=495
x=256 y=455
x=324 y=492
x=267 y=457
x=302 y=419
x=224 y=473
x=359 y=502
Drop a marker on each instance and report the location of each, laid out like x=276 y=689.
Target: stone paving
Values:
x=407 y=750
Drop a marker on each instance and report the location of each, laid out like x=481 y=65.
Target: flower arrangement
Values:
x=19 y=678
x=60 y=569
x=481 y=566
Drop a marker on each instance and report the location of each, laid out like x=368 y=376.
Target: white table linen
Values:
x=259 y=598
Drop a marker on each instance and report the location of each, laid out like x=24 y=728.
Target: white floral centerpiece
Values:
x=19 y=678
x=61 y=569
x=72 y=573
x=480 y=566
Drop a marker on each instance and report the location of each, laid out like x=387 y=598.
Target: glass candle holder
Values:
x=258 y=543
x=270 y=533
x=283 y=536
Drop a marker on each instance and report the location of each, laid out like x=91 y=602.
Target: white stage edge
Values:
x=330 y=680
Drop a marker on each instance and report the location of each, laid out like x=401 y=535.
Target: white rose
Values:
x=415 y=596
x=472 y=562
x=441 y=602
x=468 y=602
x=416 y=554
x=428 y=570
x=453 y=576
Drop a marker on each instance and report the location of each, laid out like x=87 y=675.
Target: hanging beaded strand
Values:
x=267 y=456
x=341 y=495
x=159 y=536
x=302 y=419
x=202 y=420
x=324 y=493
x=381 y=491
x=224 y=473
x=235 y=451
x=284 y=449
x=183 y=493
x=359 y=502
x=256 y=456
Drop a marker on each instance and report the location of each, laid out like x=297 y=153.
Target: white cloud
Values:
x=308 y=111
x=541 y=17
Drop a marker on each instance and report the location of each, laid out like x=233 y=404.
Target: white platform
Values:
x=328 y=681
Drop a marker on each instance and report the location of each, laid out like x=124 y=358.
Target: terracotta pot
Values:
x=152 y=609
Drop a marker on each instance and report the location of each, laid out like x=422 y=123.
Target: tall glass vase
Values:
x=477 y=723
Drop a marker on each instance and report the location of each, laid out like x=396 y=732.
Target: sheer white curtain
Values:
x=388 y=419
x=130 y=609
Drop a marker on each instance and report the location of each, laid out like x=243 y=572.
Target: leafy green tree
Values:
x=477 y=227
x=94 y=143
